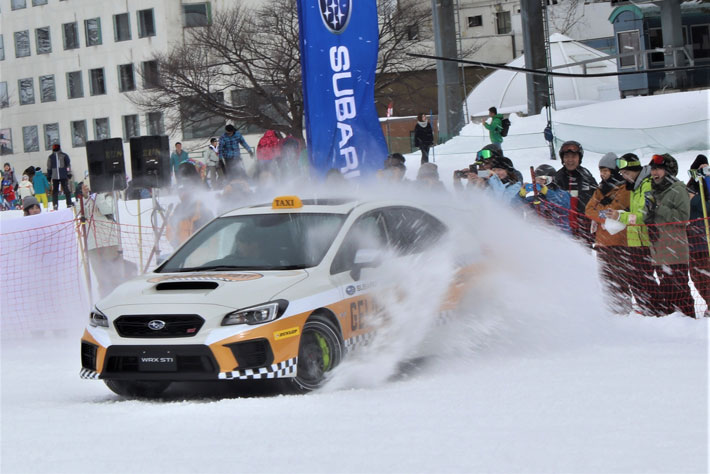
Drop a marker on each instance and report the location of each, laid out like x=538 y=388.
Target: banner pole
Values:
x=705 y=210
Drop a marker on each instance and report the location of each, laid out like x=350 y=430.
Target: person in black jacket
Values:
x=423 y=136
x=580 y=184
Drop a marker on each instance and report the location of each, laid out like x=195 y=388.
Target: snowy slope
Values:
x=533 y=377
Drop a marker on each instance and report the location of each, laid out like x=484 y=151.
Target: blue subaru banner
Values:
x=339 y=45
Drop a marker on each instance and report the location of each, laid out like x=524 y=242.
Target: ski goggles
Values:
x=622 y=163
x=484 y=155
x=570 y=149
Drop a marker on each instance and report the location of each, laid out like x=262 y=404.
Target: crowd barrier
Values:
x=669 y=273
x=50 y=278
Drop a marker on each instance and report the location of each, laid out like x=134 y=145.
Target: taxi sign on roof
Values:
x=286 y=202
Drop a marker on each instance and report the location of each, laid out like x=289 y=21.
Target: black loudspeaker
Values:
x=107 y=167
x=150 y=161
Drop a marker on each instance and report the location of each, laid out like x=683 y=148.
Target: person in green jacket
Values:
x=639 y=277
x=495 y=128
x=669 y=206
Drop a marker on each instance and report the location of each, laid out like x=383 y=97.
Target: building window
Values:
x=30 y=138
x=78 y=133
x=121 y=27
x=126 y=78
x=628 y=43
x=6 y=141
x=474 y=21
x=51 y=135
x=27 y=91
x=36 y=3
x=22 y=43
x=503 y=23
x=18 y=4
x=44 y=42
x=47 y=90
x=154 y=121
x=101 y=129
x=70 y=32
x=151 y=78
x=96 y=82
x=700 y=35
x=198 y=123
x=4 y=96
x=131 y=127
x=413 y=32
x=75 y=85
x=93 y=31
x=655 y=40
x=2 y=49
x=196 y=14
x=146 y=23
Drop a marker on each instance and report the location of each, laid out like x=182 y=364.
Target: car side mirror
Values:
x=364 y=258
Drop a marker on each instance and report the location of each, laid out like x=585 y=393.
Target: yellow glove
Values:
x=544 y=189
x=523 y=192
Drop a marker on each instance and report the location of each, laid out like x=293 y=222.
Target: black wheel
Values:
x=138 y=388
x=320 y=350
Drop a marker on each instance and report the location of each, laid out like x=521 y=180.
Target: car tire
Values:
x=320 y=350
x=139 y=389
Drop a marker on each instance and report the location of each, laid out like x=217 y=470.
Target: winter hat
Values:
x=428 y=170
x=25 y=177
x=665 y=161
x=29 y=201
x=230 y=128
x=630 y=162
x=397 y=157
x=608 y=161
x=699 y=160
x=502 y=163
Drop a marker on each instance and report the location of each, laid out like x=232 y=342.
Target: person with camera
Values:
x=612 y=249
x=697 y=231
x=500 y=180
x=548 y=199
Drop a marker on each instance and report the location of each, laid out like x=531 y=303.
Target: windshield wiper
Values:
x=213 y=268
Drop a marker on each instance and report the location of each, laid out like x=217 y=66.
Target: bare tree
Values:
x=566 y=15
x=245 y=67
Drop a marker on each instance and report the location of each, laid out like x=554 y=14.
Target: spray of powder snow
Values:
x=530 y=289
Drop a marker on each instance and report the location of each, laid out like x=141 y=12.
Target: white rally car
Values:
x=268 y=291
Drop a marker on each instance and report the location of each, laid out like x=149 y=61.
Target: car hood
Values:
x=230 y=289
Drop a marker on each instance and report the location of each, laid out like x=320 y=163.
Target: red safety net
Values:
x=666 y=270
x=42 y=287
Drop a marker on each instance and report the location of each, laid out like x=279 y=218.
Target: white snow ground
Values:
x=536 y=377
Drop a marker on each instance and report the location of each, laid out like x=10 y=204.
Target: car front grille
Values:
x=158 y=325
x=192 y=362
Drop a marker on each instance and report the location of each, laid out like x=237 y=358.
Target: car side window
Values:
x=368 y=232
x=412 y=230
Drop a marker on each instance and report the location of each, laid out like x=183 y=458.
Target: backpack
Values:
x=506 y=126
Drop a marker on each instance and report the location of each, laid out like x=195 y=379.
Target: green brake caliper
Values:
x=325 y=351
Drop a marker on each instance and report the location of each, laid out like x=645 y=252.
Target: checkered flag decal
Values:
x=286 y=368
x=88 y=374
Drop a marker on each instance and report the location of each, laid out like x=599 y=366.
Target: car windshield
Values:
x=258 y=242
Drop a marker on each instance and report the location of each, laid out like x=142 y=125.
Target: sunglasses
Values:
x=484 y=154
x=572 y=149
x=658 y=159
x=621 y=163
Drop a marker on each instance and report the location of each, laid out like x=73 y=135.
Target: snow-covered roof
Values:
x=507 y=90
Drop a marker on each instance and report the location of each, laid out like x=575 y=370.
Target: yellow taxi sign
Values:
x=286 y=202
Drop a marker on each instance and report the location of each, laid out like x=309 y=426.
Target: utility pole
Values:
x=535 y=57
x=447 y=73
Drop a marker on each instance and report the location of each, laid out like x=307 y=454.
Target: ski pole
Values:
x=705 y=210
x=433 y=153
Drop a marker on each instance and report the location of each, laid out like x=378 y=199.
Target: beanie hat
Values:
x=630 y=162
x=608 y=161
x=29 y=201
x=665 y=161
x=397 y=157
x=699 y=160
x=502 y=163
x=428 y=170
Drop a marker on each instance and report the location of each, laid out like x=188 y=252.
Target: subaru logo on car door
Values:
x=156 y=324
x=335 y=14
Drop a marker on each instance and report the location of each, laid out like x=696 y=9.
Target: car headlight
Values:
x=97 y=318
x=259 y=314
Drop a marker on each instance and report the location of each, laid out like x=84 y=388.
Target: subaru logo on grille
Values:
x=335 y=14
x=156 y=324
x=350 y=290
